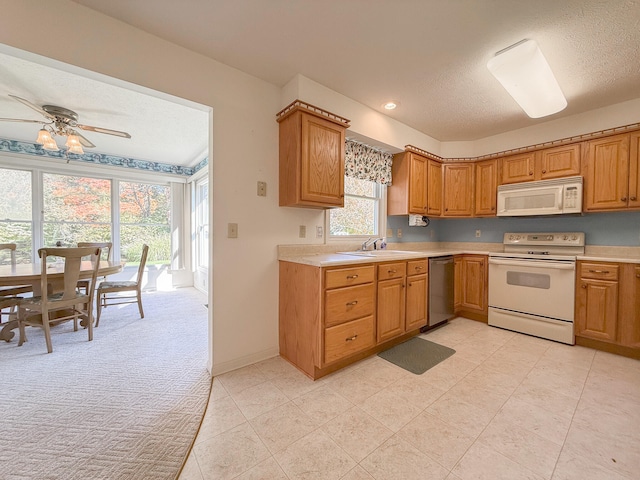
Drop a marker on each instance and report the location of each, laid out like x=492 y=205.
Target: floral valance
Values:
x=367 y=163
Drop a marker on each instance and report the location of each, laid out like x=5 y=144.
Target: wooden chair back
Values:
x=106 y=247
x=72 y=263
x=12 y=251
x=143 y=262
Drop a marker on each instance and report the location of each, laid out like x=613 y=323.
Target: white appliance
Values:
x=532 y=284
x=546 y=197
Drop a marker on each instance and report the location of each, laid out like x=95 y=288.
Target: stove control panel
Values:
x=569 y=239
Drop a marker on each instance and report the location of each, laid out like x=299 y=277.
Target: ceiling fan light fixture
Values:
x=43 y=136
x=74 y=145
x=527 y=77
x=50 y=145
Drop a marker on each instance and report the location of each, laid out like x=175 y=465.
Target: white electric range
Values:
x=532 y=284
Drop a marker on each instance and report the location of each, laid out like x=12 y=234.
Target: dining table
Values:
x=30 y=274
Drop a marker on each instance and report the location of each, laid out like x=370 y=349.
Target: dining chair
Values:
x=9 y=296
x=108 y=293
x=69 y=304
x=106 y=252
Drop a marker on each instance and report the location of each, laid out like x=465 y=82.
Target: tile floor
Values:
x=504 y=406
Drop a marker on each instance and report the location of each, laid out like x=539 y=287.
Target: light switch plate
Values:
x=399 y=233
x=232 y=230
x=262 y=189
x=302 y=232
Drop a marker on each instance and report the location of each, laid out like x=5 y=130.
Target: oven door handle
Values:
x=556 y=265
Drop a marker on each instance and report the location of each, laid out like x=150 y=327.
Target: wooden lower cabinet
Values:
x=416 y=308
x=471 y=286
x=330 y=317
x=608 y=307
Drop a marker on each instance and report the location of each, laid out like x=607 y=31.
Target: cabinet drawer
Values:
x=344 y=304
x=343 y=340
x=392 y=270
x=345 y=277
x=602 y=271
x=417 y=267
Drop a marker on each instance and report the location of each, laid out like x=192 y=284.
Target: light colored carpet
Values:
x=125 y=406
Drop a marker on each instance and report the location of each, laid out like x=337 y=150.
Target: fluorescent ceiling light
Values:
x=525 y=74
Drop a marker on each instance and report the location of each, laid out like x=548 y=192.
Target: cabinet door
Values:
x=486 y=187
x=474 y=291
x=634 y=171
x=418 y=185
x=434 y=189
x=458 y=190
x=457 y=282
x=561 y=161
x=391 y=308
x=629 y=320
x=518 y=168
x=416 y=314
x=606 y=181
x=597 y=309
x=322 y=162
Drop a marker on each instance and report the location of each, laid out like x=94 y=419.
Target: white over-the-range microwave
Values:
x=546 y=197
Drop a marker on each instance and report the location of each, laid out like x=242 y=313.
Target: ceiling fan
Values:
x=63 y=122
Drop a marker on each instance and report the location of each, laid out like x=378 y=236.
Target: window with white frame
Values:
x=367 y=174
x=363 y=214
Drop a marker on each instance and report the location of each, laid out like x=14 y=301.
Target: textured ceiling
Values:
x=428 y=55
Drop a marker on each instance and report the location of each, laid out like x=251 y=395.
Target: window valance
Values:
x=367 y=163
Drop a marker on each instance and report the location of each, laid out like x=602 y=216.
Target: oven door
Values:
x=533 y=286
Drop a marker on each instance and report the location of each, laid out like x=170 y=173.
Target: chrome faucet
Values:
x=368 y=242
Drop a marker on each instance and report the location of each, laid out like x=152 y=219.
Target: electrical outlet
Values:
x=302 y=232
x=319 y=231
x=399 y=233
x=232 y=230
x=262 y=189
x=478 y=233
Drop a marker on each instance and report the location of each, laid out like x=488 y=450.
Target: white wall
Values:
x=244 y=273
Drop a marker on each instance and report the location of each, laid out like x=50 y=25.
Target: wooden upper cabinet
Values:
x=518 y=168
x=458 y=189
x=408 y=192
x=434 y=189
x=486 y=179
x=418 y=184
x=634 y=170
x=606 y=180
x=311 y=157
x=556 y=162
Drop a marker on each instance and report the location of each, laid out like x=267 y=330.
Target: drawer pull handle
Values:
x=351 y=277
x=419 y=268
x=598 y=271
x=351 y=339
x=350 y=304
x=392 y=271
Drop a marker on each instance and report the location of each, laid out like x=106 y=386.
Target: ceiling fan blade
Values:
x=32 y=106
x=84 y=140
x=25 y=121
x=117 y=133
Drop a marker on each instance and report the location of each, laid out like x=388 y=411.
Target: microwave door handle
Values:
x=535 y=263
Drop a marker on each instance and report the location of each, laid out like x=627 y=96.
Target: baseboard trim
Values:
x=228 y=366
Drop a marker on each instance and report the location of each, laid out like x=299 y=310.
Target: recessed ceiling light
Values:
x=390 y=105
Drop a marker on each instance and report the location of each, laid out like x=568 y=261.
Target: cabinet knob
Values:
x=633 y=199
x=543 y=171
x=584 y=286
x=530 y=173
x=637 y=275
x=351 y=304
x=624 y=199
x=351 y=339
